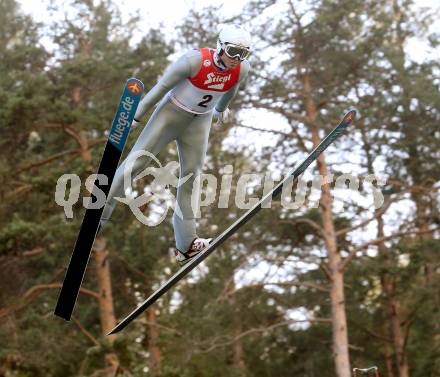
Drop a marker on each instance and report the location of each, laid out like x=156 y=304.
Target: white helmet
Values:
x=235 y=41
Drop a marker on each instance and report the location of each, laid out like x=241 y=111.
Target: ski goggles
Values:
x=233 y=51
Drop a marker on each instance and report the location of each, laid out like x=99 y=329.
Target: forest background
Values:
x=315 y=291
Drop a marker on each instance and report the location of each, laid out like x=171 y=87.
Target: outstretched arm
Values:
x=179 y=70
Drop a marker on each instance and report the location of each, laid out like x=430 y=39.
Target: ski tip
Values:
x=349 y=117
x=135 y=86
x=134 y=79
x=116 y=329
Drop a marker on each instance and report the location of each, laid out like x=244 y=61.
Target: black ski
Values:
x=348 y=118
x=112 y=153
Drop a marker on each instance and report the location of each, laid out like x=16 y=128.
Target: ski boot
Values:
x=196 y=247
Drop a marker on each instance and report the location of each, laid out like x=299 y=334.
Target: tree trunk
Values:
x=384 y=259
x=387 y=350
x=106 y=309
x=238 y=356
x=392 y=307
x=389 y=301
x=153 y=336
x=337 y=295
x=239 y=361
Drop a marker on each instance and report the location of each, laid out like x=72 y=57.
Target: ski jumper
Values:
x=189 y=90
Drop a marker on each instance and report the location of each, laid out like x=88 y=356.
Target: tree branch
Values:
x=379 y=240
x=372 y=333
x=288 y=115
x=33 y=252
x=304 y=220
x=261 y=330
x=378 y=213
x=325 y=269
x=307 y=284
x=74 y=135
x=58 y=156
x=35 y=290
x=39 y=287
x=85 y=332
x=262 y=130
x=17 y=191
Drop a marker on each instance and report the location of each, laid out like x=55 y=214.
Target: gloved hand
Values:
x=220 y=117
x=134 y=124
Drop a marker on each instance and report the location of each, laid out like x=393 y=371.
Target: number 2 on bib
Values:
x=206 y=99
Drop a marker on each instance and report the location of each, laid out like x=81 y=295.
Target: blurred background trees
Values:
x=311 y=291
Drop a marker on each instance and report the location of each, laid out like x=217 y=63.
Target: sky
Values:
x=169 y=13
x=152 y=12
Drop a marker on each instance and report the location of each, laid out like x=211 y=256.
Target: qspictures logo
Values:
x=207 y=190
